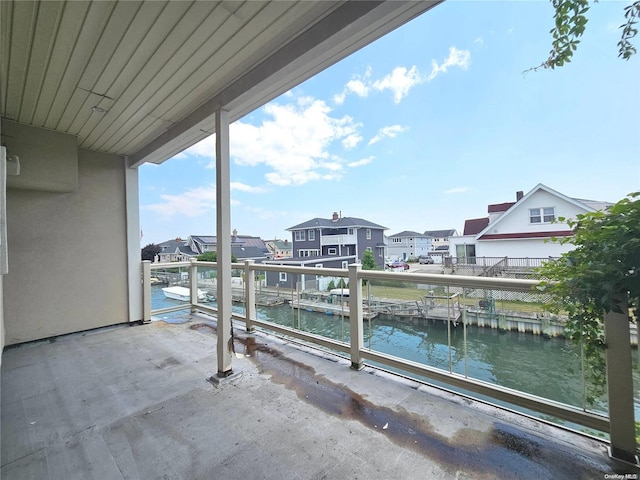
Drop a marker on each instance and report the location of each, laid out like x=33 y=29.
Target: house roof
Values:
x=406 y=233
x=248 y=252
x=145 y=79
x=280 y=244
x=440 y=233
x=341 y=222
x=483 y=235
x=475 y=225
x=500 y=207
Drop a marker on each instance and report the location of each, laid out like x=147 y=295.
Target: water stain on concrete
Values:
x=468 y=450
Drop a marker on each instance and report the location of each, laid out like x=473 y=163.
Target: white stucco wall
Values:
x=68 y=254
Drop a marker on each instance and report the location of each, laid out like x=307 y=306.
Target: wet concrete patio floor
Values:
x=135 y=403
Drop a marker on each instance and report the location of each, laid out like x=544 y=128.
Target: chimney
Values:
x=519 y=195
x=286 y=242
x=235 y=233
x=335 y=217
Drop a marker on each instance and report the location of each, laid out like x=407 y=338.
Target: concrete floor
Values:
x=134 y=403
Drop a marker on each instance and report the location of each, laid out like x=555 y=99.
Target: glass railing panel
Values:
x=170 y=287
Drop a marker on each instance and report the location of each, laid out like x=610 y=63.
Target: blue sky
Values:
x=421 y=130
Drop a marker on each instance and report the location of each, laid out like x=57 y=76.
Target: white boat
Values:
x=183 y=294
x=340 y=292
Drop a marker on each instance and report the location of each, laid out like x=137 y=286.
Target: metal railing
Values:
x=359 y=304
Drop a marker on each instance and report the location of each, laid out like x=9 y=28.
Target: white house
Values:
x=407 y=244
x=523 y=228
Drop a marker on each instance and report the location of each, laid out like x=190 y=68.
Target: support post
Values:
x=250 y=295
x=355 y=316
x=193 y=283
x=146 y=291
x=223 y=247
x=134 y=237
x=620 y=387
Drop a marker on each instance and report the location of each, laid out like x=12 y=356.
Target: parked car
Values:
x=425 y=260
x=398 y=264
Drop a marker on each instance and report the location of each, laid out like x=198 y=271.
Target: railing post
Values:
x=146 y=291
x=193 y=283
x=620 y=387
x=249 y=295
x=356 y=323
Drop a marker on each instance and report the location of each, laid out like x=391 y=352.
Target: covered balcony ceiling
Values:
x=144 y=78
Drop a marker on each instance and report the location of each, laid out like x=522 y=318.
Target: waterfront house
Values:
x=524 y=228
x=279 y=248
x=338 y=236
x=243 y=247
x=406 y=245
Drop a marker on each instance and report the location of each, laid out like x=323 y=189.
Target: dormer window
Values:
x=542 y=215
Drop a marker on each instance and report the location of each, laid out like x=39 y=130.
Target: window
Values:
x=396 y=240
x=345 y=264
x=542 y=215
x=368 y=249
x=283 y=276
x=368 y=234
x=318 y=265
x=308 y=252
x=332 y=251
x=350 y=231
x=312 y=235
x=298 y=235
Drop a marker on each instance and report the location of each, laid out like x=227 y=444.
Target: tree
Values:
x=150 y=251
x=212 y=257
x=368 y=261
x=602 y=274
x=570 y=23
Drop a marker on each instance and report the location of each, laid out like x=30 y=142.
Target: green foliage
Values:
x=212 y=257
x=341 y=283
x=368 y=261
x=150 y=251
x=602 y=274
x=207 y=257
x=570 y=24
x=331 y=286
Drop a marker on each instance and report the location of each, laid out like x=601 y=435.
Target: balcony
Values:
x=330 y=240
x=145 y=401
x=133 y=402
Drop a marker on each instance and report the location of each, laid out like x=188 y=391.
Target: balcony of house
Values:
x=342 y=239
x=392 y=376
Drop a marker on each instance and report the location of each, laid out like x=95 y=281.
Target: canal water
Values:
x=546 y=367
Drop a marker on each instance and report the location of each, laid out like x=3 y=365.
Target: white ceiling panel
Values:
x=144 y=78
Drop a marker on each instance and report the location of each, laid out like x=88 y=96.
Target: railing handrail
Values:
x=358 y=352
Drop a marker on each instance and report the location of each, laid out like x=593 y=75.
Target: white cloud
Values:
x=360 y=163
x=399 y=81
x=390 y=131
x=456 y=58
x=242 y=187
x=456 y=190
x=294 y=141
x=402 y=79
x=192 y=203
x=479 y=41
x=359 y=84
x=351 y=141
